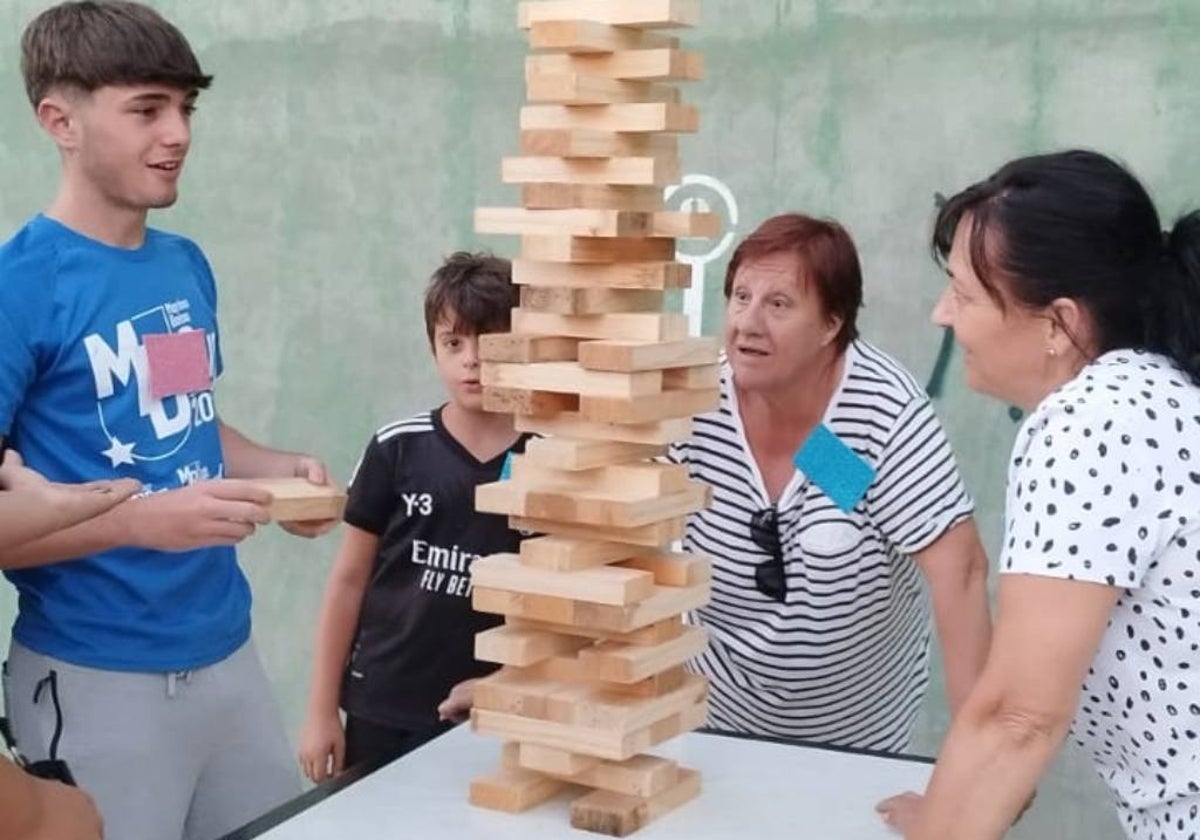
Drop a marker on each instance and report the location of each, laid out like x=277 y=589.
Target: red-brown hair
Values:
x=827 y=258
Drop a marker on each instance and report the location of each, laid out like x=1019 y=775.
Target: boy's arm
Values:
x=204 y=514
x=246 y=459
x=322 y=747
x=32 y=507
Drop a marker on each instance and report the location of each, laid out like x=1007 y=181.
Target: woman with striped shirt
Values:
x=837 y=506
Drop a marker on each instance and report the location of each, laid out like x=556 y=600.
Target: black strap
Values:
x=51 y=680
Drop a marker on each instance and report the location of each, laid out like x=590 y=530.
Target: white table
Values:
x=750 y=788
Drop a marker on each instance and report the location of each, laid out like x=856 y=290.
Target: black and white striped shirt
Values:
x=844 y=659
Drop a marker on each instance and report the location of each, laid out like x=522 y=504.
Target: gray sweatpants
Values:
x=189 y=755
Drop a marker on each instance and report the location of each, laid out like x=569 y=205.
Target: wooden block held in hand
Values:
x=298 y=500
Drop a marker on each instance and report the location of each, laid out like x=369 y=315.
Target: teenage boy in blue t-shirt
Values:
x=133 y=661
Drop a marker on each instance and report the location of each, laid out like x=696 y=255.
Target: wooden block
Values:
x=528 y=403
x=591 y=196
x=554 y=762
x=570 y=424
x=299 y=500
x=654 y=535
x=639 y=14
x=631 y=479
x=565 y=142
x=602 y=509
x=695 y=378
x=649 y=65
x=567 y=555
x=513 y=789
x=646 y=355
x=642 y=775
x=642 y=275
x=569 y=378
x=590 y=301
x=603 y=585
x=676 y=725
x=564 y=668
x=495 y=692
x=566 y=454
x=666 y=602
x=522 y=646
x=596 y=249
x=594 y=707
x=635 y=117
x=617 y=171
x=638 y=326
x=581 y=221
x=574 y=88
x=513 y=347
x=654 y=685
x=619 y=815
x=571 y=222
x=671 y=568
x=615 y=662
x=589 y=36
x=609 y=743
x=649 y=409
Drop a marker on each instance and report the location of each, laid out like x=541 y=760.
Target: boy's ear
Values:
x=56 y=115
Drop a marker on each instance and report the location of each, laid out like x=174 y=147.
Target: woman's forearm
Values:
x=987 y=770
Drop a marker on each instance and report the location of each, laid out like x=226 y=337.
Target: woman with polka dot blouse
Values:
x=1069 y=301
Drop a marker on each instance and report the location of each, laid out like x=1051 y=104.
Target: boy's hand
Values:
x=207 y=513
x=313 y=470
x=32 y=507
x=322 y=747
x=458 y=702
x=64 y=813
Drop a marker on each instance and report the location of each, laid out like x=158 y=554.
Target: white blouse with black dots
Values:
x=1104 y=486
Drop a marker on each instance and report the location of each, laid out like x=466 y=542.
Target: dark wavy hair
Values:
x=1078 y=225
x=476 y=288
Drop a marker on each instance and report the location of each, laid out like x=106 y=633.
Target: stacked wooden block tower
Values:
x=593 y=645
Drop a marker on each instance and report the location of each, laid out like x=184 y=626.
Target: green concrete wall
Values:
x=344 y=144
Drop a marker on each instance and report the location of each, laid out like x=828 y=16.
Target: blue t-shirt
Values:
x=76 y=402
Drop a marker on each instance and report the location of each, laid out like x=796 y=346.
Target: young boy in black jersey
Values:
x=396 y=632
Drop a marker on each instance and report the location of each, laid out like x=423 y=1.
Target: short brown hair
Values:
x=827 y=258
x=90 y=44
x=477 y=288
